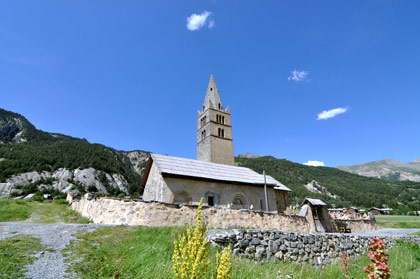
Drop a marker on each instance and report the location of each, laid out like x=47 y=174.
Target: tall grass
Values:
x=146 y=253
x=15 y=253
x=40 y=212
x=397 y=221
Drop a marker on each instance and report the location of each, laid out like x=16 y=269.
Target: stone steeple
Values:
x=212 y=99
x=214 y=129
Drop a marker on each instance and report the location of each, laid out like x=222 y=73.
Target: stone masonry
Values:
x=315 y=248
x=140 y=213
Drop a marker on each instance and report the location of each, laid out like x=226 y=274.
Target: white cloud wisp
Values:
x=298 y=75
x=326 y=114
x=197 y=21
x=315 y=164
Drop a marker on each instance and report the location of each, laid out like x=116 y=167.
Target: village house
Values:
x=214 y=175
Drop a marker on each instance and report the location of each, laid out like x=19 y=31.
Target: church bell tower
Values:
x=214 y=129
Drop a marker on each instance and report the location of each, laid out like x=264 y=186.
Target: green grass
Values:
x=397 y=221
x=39 y=212
x=126 y=252
x=15 y=253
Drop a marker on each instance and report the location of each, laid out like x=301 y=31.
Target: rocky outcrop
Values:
x=12 y=129
x=138 y=160
x=315 y=187
x=65 y=180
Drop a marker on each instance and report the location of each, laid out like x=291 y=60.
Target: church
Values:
x=213 y=175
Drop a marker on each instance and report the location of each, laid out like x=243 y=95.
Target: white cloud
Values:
x=211 y=24
x=330 y=113
x=298 y=75
x=195 y=21
x=315 y=164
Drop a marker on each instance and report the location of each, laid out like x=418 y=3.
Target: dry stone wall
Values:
x=315 y=248
x=135 y=212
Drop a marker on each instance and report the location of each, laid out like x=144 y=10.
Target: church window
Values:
x=203 y=134
x=221 y=132
x=211 y=89
x=220 y=106
x=239 y=202
x=203 y=121
x=223 y=120
x=210 y=201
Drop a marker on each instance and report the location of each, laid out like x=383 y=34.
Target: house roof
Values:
x=314 y=201
x=212 y=171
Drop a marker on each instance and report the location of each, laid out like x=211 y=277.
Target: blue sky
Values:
x=132 y=74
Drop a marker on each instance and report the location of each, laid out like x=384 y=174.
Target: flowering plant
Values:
x=345 y=265
x=223 y=264
x=191 y=251
x=378 y=268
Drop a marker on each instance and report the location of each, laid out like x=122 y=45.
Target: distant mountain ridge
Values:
x=32 y=160
x=387 y=169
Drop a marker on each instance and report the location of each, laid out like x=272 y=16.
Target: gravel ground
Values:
x=54 y=237
x=388 y=232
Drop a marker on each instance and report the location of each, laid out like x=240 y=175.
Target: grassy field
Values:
x=15 y=253
x=39 y=212
x=124 y=252
x=397 y=221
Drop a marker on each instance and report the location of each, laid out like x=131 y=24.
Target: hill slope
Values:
x=388 y=169
x=337 y=187
x=25 y=149
x=31 y=159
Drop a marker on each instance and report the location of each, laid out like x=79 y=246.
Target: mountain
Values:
x=336 y=187
x=388 y=169
x=32 y=159
x=249 y=155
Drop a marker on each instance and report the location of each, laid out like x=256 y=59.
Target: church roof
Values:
x=212 y=171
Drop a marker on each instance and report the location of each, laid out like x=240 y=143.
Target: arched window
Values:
x=239 y=202
x=221 y=132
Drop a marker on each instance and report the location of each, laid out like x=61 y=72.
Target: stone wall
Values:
x=361 y=225
x=135 y=212
x=298 y=247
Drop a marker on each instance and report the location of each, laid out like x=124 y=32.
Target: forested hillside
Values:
x=23 y=148
x=349 y=189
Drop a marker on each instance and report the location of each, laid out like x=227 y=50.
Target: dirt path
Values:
x=54 y=237
x=388 y=232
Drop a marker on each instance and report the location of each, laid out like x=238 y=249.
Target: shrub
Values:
x=92 y=188
x=121 y=195
x=61 y=202
x=37 y=197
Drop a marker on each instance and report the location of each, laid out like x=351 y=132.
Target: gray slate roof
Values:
x=213 y=171
x=314 y=201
